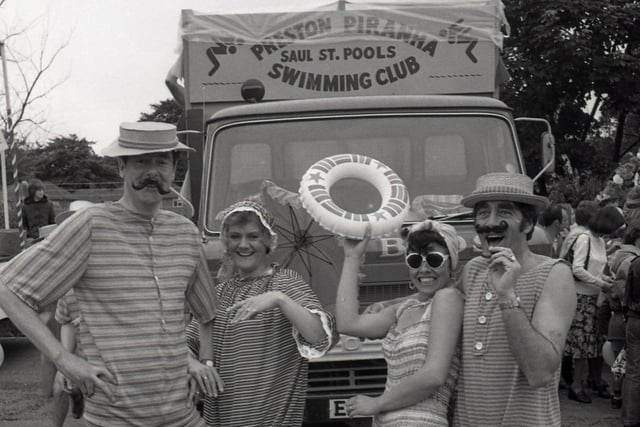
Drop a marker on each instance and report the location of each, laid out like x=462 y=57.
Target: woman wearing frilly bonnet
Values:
x=420 y=335
x=269 y=322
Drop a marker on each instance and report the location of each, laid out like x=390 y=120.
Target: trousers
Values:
x=631 y=382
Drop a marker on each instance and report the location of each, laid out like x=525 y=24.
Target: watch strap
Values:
x=207 y=362
x=510 y=303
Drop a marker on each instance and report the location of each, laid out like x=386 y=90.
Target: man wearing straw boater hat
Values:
x=519 y=306
x=134 y=269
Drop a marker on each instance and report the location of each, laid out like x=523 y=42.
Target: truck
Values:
x=415 y=86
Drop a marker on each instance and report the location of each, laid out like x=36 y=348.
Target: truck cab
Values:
x=413 y=87
x=439 y=145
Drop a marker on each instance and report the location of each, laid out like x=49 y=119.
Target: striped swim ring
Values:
x=315 y=197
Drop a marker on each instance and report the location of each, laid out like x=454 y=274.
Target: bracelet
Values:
x=510 y=303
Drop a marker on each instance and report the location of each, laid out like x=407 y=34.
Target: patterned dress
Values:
x=262 y=361
x=405 y=351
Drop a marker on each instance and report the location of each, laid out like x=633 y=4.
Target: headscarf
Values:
x=266 y=219
x=454 y=243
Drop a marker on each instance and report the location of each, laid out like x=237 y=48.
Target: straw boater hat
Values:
x=138 y=138
x=499 y=186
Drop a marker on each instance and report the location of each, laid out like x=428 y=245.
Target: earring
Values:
x=412 y=286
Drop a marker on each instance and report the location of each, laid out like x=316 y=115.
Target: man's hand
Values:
x=206 y=378
x=504 y=270
x=86 y=376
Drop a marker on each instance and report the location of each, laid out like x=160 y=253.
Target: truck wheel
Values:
x=315 y=197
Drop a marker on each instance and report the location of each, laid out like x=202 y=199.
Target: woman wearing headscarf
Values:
x=269 y=323
x=420 y=335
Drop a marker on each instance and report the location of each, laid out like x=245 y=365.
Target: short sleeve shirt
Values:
x=132 y=276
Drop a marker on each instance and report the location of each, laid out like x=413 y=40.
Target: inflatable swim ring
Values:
x=315 y=197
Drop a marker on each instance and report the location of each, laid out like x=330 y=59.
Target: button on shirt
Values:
x=131 y=291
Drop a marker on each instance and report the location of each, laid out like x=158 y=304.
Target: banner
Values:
x=439 y=48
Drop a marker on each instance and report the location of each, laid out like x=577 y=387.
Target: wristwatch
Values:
x=510 y=303
x=207 y=362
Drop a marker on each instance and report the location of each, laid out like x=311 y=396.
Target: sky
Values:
x=116 y=59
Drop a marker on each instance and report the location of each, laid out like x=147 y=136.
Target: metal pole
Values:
x=5 y=202
x=13 y=150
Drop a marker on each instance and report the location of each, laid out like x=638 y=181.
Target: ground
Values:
x=21 y=404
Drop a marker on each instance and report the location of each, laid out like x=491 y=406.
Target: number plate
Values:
x=338 y=408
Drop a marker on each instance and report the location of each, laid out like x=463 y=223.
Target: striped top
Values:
x=67 y=311
x=261 y=360
x=492 y=390
x=131 y=275
x=405 y=351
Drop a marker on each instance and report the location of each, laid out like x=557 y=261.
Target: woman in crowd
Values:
x=619 y=264
x=588 y=264
x=269 y=322
x=419 y=382
x=37 y=210
x=631 y=381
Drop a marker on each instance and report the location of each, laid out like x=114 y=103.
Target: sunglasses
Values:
x=434 y=259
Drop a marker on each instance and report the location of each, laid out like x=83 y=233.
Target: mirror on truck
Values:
x=548 y=143
x=539 y=156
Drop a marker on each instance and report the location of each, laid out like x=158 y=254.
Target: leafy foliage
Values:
x=69 y=160
x=166 y=111
x=567 y=59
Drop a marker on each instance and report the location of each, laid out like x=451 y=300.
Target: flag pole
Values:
x=13 y=150
x=3 y=166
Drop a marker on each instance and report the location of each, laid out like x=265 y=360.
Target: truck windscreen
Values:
x=439 y=157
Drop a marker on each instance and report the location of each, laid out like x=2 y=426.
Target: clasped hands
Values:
x=204 y=379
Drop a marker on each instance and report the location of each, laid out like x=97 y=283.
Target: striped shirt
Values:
x=261 y=360
x=492 y=390
x=132 y=276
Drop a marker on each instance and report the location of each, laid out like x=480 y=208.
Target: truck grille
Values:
x=370 y=293
x=346 y=378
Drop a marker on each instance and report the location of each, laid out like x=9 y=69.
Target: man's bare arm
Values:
x=537 y=345
x=77 y=370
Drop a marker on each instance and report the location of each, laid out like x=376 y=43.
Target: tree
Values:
x=568 y=59
x=70 y=159
x=166 y=111
x=28 y=67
